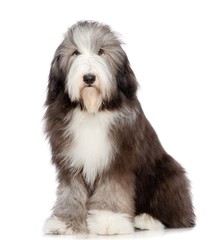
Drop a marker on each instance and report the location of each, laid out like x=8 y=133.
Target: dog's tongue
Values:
x=92 y=99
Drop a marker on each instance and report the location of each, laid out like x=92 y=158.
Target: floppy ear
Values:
x=126 y=80
x=56 y=80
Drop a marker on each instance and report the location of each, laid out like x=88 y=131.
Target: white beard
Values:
x=92 y=99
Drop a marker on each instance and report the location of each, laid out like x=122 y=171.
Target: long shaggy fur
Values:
x=112 y=169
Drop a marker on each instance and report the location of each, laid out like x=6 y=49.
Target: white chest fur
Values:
x=91 y=148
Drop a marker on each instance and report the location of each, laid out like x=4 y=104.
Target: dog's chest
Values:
x=91 y=148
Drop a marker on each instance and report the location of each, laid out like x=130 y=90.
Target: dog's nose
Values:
x=89 y=78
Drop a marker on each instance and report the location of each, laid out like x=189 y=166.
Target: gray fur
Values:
x=71 y=203
x=114 y=193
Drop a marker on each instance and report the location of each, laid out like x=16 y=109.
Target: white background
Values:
x=171 y=47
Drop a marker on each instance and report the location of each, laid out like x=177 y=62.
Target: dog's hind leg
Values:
x=163 y=192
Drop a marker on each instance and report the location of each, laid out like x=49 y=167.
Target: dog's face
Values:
x=91 y=66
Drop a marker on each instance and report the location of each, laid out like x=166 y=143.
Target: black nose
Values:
x=89 y=78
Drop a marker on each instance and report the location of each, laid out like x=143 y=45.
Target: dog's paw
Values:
x=109 y=223
x=54 y=225
x=146 y=222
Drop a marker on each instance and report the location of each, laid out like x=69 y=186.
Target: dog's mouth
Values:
x=89 y=85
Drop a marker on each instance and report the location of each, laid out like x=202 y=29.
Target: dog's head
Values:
x=91 y=68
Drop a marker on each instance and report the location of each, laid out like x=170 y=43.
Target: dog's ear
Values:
x=126 y=80
x=56 y=80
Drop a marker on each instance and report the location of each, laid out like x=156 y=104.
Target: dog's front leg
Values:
x=111 y=207
x=69 y=212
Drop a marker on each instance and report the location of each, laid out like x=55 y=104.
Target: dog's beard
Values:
x=92 y=99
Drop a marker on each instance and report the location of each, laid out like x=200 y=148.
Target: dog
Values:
x=113 y=174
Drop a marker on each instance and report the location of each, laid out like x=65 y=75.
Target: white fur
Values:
x=91 y=148
x=53 y=225
x=89 y=62
x=86 y=63
x=109 y=223
x=92 y=99
x=146 y=222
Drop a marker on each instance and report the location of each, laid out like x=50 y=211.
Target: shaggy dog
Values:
x=113 y=173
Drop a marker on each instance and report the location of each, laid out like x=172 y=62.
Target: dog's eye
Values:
x=75 y=53
x=100 y=52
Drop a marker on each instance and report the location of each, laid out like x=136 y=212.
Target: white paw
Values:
x=53 y=225
x=109 y=223
x=146 y=222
